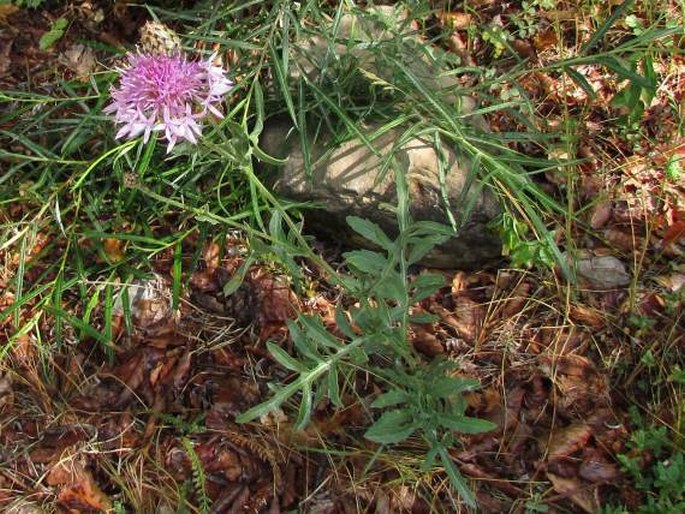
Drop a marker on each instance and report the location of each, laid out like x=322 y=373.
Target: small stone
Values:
x=603 y=272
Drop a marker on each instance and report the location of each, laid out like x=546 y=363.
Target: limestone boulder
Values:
x=353 y=179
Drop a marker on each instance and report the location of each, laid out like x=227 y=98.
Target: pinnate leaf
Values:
x=392 y=427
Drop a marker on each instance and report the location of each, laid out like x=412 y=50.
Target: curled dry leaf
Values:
x=576 y=491
x=586 y=316
x=80 y=59
x=596 y=468
x=79 y=492
x=567 y=440
x=601 y=214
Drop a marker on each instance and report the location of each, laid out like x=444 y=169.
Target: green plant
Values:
x=427 y=400
x=419 y=398
x=199 y=476
x=527 y=19
x=32 y=4
x=636 y=96
x=519 y=247
x=57 y=29
x=657 y=468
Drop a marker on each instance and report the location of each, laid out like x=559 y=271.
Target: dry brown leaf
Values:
x=567 y=440
x=456 y=20
x=210 y=254
x=576 y=492
x=584 y=315
x=596 y=468
x=113 y=250
x=601 y=214
x=6 y=10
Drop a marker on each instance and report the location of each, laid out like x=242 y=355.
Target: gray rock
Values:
x=350 y=178
x=603 y=271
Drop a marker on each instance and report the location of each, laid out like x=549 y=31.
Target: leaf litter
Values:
x=159 y=410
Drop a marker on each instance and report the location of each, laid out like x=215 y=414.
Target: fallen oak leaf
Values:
x=566 y=441
x=675 y=232
x=79 y=492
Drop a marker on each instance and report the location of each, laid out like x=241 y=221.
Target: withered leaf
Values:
x=601 y=214
x=574 y=489
x=596 y=468
x=79 y=491
x=567 y=440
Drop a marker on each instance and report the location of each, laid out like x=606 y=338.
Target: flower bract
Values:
x=169 y=94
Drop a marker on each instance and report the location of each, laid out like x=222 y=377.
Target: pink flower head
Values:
x=167 y=93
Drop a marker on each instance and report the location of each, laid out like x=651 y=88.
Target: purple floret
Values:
x=167 y=93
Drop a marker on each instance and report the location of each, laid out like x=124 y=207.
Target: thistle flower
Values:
x=167 y=93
